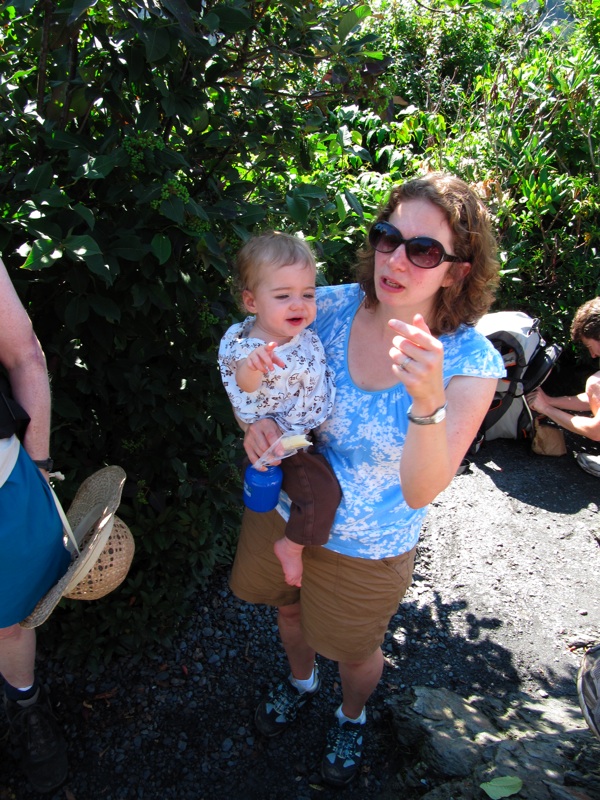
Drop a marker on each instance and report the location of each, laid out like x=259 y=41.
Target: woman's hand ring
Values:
x=405 y=362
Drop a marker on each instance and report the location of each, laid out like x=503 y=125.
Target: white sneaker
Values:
x=590 y=464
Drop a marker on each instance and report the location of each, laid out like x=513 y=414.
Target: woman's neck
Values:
x=380 y=316
x=368 y=350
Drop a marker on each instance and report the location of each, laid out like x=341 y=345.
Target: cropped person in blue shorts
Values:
x=32 y=554
x=414 y=380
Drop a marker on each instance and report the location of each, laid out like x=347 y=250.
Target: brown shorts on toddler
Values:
x=315 y=494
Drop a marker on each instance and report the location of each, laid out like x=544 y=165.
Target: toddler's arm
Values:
x=249 y=371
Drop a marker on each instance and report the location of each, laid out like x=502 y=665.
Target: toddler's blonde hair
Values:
x=270 y=249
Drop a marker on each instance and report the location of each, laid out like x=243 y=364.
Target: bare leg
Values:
x=34 y=730
x=290 y=556
x=359 y=681
x=301 y=657
x=17 y=655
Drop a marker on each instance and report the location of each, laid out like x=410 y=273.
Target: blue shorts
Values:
x=32 y=553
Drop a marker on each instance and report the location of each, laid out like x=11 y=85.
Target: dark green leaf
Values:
x=172 y=208
x=43 y=253
x=192 y=207
x=76 y=312
x=80 y=247
x=99 y=167
x=354 y=203
x=211 y=21
x=65 y=407
x=79 y=8
x=232 y=20
x=161 y=247
x=86 y=214
x=181 y=12
x=158 y=44
x=252 y=216
x=102 y=267
x=298 y=208
x=128 y=247
x=105 y=307
x=38 y=178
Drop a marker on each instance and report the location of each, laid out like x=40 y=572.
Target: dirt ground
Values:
x=512 y=546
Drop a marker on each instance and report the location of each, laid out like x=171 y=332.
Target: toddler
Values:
x=273 y=365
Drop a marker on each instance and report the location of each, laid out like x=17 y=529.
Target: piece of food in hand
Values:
x=295 y=442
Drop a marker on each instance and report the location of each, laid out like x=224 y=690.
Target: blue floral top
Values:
x=364 y=436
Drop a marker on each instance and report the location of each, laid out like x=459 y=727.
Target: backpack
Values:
x=528 y=362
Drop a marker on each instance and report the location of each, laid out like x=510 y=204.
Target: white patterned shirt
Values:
x=299 y=396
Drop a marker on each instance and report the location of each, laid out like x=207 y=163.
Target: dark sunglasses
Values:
x=422 y=251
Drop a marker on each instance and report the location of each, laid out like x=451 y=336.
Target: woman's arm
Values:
x=432 y=453
x=259 y=436
x=24 y=360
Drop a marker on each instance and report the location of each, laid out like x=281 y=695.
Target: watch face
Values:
x=436 y=417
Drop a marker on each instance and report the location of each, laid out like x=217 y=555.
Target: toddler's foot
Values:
x=290 y=556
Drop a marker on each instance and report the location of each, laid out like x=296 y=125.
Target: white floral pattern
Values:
x=364 y=436
x=299 y=396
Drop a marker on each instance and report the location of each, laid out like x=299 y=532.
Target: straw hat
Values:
x=105 y=544
x=111 y=568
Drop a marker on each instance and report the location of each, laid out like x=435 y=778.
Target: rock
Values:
x=535 y=740
x=453 y=734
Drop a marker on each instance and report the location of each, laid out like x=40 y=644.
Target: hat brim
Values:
x=91 y=516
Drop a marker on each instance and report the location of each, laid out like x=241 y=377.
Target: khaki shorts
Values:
x=346 y=603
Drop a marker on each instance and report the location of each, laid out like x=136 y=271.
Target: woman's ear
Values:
x=248 y=301
x=457 y=272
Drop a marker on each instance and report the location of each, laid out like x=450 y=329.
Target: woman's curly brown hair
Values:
x=470 y=297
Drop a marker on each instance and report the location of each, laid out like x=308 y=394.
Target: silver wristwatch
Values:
x=433 y=419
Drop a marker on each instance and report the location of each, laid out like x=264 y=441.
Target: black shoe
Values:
x=343 y=753
x=280 y=707
x=42 y=748
x=588 y=688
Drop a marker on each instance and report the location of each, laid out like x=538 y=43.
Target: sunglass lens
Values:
x=424 y=252
x=384 y=238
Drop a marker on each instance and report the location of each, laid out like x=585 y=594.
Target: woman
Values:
x=32 y=554
x=414 y=381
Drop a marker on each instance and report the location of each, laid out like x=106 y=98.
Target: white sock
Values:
x=304 y=685
x=360 y=720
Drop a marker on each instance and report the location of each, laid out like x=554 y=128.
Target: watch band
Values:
x=437 y=416
x=46 y=464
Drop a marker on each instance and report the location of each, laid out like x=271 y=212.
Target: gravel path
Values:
x=505 y=597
